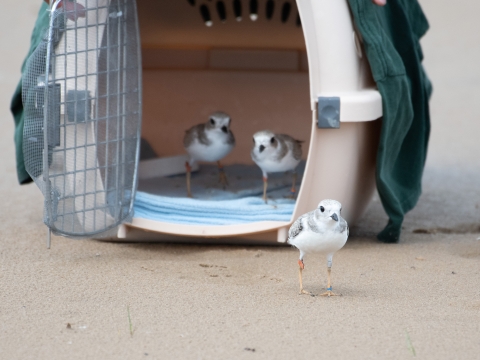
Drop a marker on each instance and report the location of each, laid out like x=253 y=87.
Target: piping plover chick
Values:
x=322 y=230
x=209 y=142
x=276 y=153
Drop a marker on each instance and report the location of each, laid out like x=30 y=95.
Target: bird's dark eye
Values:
x=272 y=140
x=212 y=121
x=322 y=209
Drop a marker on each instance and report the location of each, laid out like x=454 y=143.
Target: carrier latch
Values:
x=328 y=112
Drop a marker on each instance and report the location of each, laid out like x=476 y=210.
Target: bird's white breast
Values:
x=328 y=242
x=215 y=151
x=271 y=165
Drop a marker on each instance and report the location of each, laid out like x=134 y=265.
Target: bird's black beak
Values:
x=261 y=148
x=225 y=129
x=334 y=217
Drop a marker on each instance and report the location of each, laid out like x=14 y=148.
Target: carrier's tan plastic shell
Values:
x=265 y=74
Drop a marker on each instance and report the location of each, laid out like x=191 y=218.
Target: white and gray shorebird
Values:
x=209 y=142
x=322 y=230
x=276 y=153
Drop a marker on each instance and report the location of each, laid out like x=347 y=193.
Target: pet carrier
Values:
x=93 y=89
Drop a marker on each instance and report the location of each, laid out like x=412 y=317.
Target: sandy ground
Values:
x=419 y=298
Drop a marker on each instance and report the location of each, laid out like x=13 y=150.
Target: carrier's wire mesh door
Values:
x=82 y=101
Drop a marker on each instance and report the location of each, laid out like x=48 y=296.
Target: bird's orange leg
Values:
x=189 y=172
x=301 y=266
x=222 y=177
x=265 y=185
x=329 y=285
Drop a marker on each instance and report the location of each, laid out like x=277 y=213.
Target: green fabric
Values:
x=16 y=106
x=391 y=38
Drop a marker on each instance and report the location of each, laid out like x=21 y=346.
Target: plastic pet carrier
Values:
x=111 y=75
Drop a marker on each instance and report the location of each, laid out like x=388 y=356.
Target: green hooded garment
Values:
x=391 y=37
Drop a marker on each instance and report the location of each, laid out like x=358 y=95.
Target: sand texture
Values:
x=417 y=299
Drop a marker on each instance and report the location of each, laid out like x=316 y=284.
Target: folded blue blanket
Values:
x=163 y=199
x=211 y=212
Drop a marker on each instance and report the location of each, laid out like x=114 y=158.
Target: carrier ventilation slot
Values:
x=237 y=9
x=270 y=6
x=222 y=12
x=206 y=15
x=253 y=10
x=286 y=11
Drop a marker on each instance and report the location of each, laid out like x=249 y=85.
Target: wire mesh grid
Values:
x=82 y=101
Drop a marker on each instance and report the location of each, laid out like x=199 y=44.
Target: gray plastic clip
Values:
x=328 y=112
x=79 y=105
x=53 y=113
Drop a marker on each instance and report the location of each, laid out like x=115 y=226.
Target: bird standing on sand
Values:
x=322 y=230
x=210 y=142
x=276 y=153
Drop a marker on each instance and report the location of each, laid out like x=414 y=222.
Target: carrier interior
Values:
x=246 y=58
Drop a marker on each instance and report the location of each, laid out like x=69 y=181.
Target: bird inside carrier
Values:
x=289 y=75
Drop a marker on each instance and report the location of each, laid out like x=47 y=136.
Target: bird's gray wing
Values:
x=195 y=132
x=189 y=137
x=296 y=146
x=343 y=226
x=297 y=227
x=202 y=137
x=282 y=149
x=297 y=150
x=230 y=138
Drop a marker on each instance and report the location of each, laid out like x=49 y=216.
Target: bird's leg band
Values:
x=301 y=264
x=329 y=291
